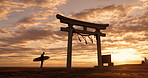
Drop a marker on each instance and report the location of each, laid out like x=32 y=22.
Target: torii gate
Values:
x=70 y=29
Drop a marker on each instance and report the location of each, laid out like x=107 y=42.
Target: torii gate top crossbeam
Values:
x=81 y=23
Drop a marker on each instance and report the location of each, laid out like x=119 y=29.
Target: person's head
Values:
x=43 y=52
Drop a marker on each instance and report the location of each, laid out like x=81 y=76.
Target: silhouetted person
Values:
x=145 y=59
x=42 y=59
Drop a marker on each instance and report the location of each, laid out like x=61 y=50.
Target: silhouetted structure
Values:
x=145 y=61
x=41 y=58
x=107 y=59
x=70 y=29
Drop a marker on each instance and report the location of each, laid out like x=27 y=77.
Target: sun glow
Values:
x=123 y=56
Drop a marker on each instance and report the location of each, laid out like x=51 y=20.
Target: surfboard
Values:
x=39 y=58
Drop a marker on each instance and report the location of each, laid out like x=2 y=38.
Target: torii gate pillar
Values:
x=100 y=64
x=69 y=48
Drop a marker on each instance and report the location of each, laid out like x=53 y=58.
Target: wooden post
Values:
x=100 y=64
x=69 y=48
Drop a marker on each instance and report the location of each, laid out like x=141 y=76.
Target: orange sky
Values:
x=29 y=27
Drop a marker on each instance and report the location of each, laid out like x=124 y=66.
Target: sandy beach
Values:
x=122 y=71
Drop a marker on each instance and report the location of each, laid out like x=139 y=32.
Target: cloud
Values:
x=100 y=14
x=6 y=7
x=5 y=51
x=37 y=13
x=29 y=21
x=3 y=31
x=128 y=26
x=42 y=3
x=11 y=6
x=28 y=35
x=33 y=40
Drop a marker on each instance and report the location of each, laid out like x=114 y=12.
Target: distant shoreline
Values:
x=65 y=67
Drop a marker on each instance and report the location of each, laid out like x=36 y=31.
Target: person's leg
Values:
x=41 y=64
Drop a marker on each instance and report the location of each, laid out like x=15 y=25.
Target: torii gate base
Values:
x=70 y=29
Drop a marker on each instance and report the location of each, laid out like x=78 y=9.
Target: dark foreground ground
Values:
x=124 y=71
